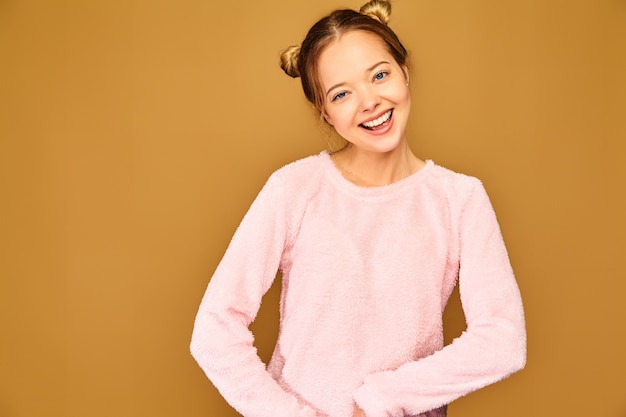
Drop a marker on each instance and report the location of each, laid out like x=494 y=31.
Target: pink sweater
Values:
x=366 y=275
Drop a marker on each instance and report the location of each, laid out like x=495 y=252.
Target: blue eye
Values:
x=380 y=75
x=339 y=96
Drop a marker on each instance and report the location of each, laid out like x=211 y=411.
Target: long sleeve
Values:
x=221 y=342
x=492 y=347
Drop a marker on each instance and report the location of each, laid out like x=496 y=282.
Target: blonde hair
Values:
x=301 y=60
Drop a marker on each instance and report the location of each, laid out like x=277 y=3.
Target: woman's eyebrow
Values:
x=375 y=65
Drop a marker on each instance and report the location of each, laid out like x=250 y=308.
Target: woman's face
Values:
x=366 y=97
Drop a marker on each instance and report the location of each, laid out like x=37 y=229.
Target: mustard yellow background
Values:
x=134 y=135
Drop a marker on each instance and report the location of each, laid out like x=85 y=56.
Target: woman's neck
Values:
x=374 y=169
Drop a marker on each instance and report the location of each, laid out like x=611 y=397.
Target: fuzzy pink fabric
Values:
x=367 y=273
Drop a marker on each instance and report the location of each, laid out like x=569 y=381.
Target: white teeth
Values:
x=377 y=122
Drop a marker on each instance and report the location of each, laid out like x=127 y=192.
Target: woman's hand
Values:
x=358 y=412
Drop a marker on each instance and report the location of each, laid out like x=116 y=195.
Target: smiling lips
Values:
x=377 y=123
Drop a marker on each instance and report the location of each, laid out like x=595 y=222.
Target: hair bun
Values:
x=377 y=9
x=289 y=61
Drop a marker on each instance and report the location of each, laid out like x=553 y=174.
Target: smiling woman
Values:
x=368 y=104
x=371 y=241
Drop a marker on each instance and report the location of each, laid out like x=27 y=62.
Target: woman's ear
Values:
x=326 y=117
x=405 y=69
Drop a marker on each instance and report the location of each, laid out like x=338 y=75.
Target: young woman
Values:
x=370 y=241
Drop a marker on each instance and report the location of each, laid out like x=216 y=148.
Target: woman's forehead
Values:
x=354 y=52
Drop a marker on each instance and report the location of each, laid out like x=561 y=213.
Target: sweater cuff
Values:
x=370 y=400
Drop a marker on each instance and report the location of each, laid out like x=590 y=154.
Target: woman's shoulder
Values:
x=456 y=187
x=306 y=164
x=296 y=181
x=450 y=179
x=300 y=172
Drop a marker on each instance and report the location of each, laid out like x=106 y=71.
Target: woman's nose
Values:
x=369 y=98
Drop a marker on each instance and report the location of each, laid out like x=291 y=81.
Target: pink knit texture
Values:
x=367 y=273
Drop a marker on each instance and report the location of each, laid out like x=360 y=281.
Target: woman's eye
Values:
x=380 y=75
x=339 y=96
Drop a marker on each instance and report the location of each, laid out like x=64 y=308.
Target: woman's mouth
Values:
x=378 y=123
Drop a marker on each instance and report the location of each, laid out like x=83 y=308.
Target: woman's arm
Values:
x=221 y=342
x=492 y=347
